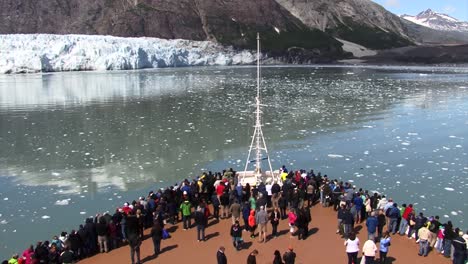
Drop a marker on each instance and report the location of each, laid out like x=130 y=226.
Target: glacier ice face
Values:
x=24 y=53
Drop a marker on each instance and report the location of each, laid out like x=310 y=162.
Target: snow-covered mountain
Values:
x=20 y=53
x=437 y=21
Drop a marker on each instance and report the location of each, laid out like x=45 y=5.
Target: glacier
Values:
x=29 y=53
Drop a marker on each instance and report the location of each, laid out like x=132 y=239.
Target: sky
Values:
x=455 y=8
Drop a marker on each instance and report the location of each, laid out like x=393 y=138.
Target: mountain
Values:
x=437 y=21
x=359 y=21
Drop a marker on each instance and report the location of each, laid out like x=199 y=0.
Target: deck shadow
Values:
x=148 y=258
x=283 y=232
x=172 y=229
x=212 y=235
x=213 y=222
x=313 y=231
x=168 y=248
x=246 y=245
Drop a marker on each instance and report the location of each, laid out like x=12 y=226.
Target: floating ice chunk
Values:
x=449 y=189
x=454 y=213
x=82 y=213
x=45 y=217
x=406 y=143
x=55 y=174
x=62 y=202
x=87 y=154
x=334 y=156
x=397 y=182
x=5 y=199
x=400 y=165
x=412 y=134
x=3 y=222
x=446 y=216
x=445 y=169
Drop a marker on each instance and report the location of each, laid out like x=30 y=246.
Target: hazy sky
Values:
x=455 y=8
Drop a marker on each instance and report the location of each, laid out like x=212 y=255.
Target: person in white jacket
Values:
x=368 y=250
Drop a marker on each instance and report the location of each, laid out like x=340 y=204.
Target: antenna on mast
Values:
x=257 y=138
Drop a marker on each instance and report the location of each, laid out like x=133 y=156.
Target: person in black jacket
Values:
x=277 y=259
x=289 y=256
x=156 y=235
x=236 y=234
x=102 y=232
x=459 y=247
x=132 y=230
x=201 y=222
x=274 y=220
x=252 y=258
x=220 y=257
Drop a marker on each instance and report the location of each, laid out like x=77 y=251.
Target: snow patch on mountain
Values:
x=23 y=53
x=437 y=21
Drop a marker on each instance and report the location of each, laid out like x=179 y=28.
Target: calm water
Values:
x=73 y=144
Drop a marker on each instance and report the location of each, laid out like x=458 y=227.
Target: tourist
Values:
x=216 y=204
x=393 y=216
x=274 y=220
x=292 y=217
x=358 y=203
x=348 y=221
x=54 y=255
x=252 y=223
x=384 y=244
x=186 y=211
x=411 y=224
x=277 y=259
x=133 y=236
x=449 y=235
x=252 y=258
x=102 y=232
x=460 y=248
x=371 y=224
x=304 y=225
x=424 y=235
x=235 y=210
x=420 y=221
x=67 y=256
x=282 y=204
x=262 y=220
x=434 y=228
x=352 y=248
x=381 y=223
x=200 y=221
x=224 y=200
x=14 y=259
x=439 y=247
x=369 y=249
x=289 y=256
x=245 y=215
x=156 y=236
x=405 y=219
x=236 y=234
x=220 y=257
x=27 y=254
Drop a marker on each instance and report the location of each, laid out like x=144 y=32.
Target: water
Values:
x=73 y=144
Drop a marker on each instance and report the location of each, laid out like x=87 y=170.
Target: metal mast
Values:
x=260 y=144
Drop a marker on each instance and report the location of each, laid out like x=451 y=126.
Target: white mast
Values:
x=260 y=144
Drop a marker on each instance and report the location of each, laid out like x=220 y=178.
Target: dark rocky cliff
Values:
x=232 y=22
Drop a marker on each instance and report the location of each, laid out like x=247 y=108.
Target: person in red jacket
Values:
x=252 y=223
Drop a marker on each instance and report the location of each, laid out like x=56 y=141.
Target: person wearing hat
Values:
x=459 y=246
x=289 y=256
x=186 y=211
x=14 y=259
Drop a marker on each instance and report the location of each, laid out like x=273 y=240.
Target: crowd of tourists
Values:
x=252 y=209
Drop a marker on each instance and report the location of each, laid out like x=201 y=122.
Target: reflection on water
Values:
x=106 y=137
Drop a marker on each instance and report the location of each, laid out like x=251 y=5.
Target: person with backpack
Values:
x=236 y=234
x=393 y=215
